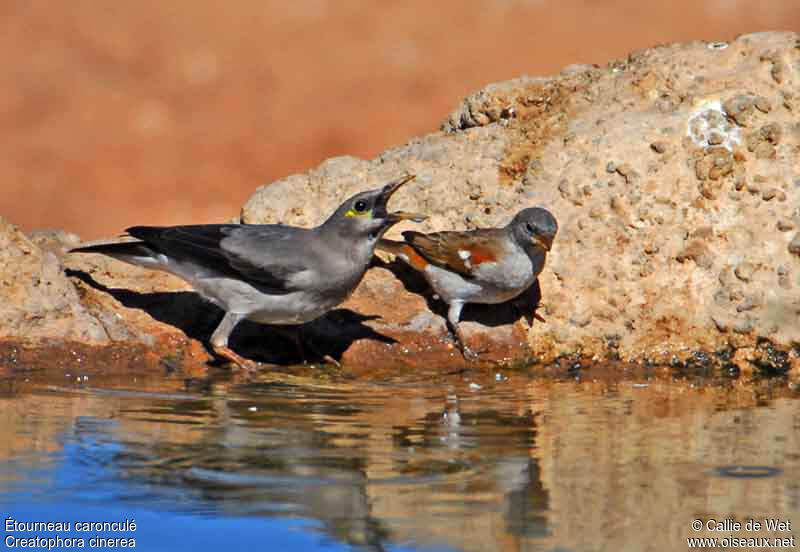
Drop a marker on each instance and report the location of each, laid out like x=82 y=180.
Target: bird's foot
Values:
x=473 y=355
x=466 y=351
x=469 y=354
x=243 y=363
x=530 y=317
x=536 y=315
x=330 y=360
x=326 y=358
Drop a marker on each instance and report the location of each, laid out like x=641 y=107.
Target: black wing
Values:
x=264 y=254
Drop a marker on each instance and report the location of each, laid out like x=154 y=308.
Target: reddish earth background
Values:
x=121 y=113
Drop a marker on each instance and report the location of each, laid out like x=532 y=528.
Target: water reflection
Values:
x=474 y=461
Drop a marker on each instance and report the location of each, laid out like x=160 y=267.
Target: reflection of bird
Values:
x=274 y=274
x=487 y=265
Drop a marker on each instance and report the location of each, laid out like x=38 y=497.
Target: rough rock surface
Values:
x=37 y=300
x=673 y=174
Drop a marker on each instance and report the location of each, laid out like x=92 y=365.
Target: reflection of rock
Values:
x=523 y=463
x=667 y=171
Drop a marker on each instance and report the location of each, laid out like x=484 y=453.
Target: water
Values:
x=487 y=459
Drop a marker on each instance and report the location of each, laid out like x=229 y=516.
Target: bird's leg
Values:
x=219 y=341
x=529 y=315
x=528 y=302
x=229 y=355
x=453 y=316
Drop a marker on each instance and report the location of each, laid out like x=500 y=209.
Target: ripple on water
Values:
x=469 y=461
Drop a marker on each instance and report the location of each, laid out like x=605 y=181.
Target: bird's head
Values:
x=365 y=215
x=534 y=227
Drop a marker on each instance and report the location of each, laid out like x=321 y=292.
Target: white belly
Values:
x=240 y=297
x=451 y=286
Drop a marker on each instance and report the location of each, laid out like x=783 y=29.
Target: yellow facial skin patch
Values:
x=353 y=213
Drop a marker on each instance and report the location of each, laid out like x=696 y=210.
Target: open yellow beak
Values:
x=390 y=189
x=397 y=216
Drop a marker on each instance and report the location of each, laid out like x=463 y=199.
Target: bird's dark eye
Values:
x=529 y=228
x=360 y=206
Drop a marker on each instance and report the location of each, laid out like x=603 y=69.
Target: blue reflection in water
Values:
x=512 y=463
x=76 y=486
x=169 y=531
x=103 y=473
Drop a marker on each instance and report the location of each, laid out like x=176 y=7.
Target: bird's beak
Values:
x=393 y=186
x=397 y=216
x=387 y=193
x=544 y=241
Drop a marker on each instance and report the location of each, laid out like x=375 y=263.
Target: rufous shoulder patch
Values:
x=481 y=254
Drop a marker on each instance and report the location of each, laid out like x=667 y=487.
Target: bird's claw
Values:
x=245 y=364
x=248 y=365
x=326 y=358
x=531 y=316
x=469 y=354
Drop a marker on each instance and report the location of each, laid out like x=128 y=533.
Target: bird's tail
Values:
x=391 y=246
x=403 y=251
x=133 y=252
x=117 y=248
